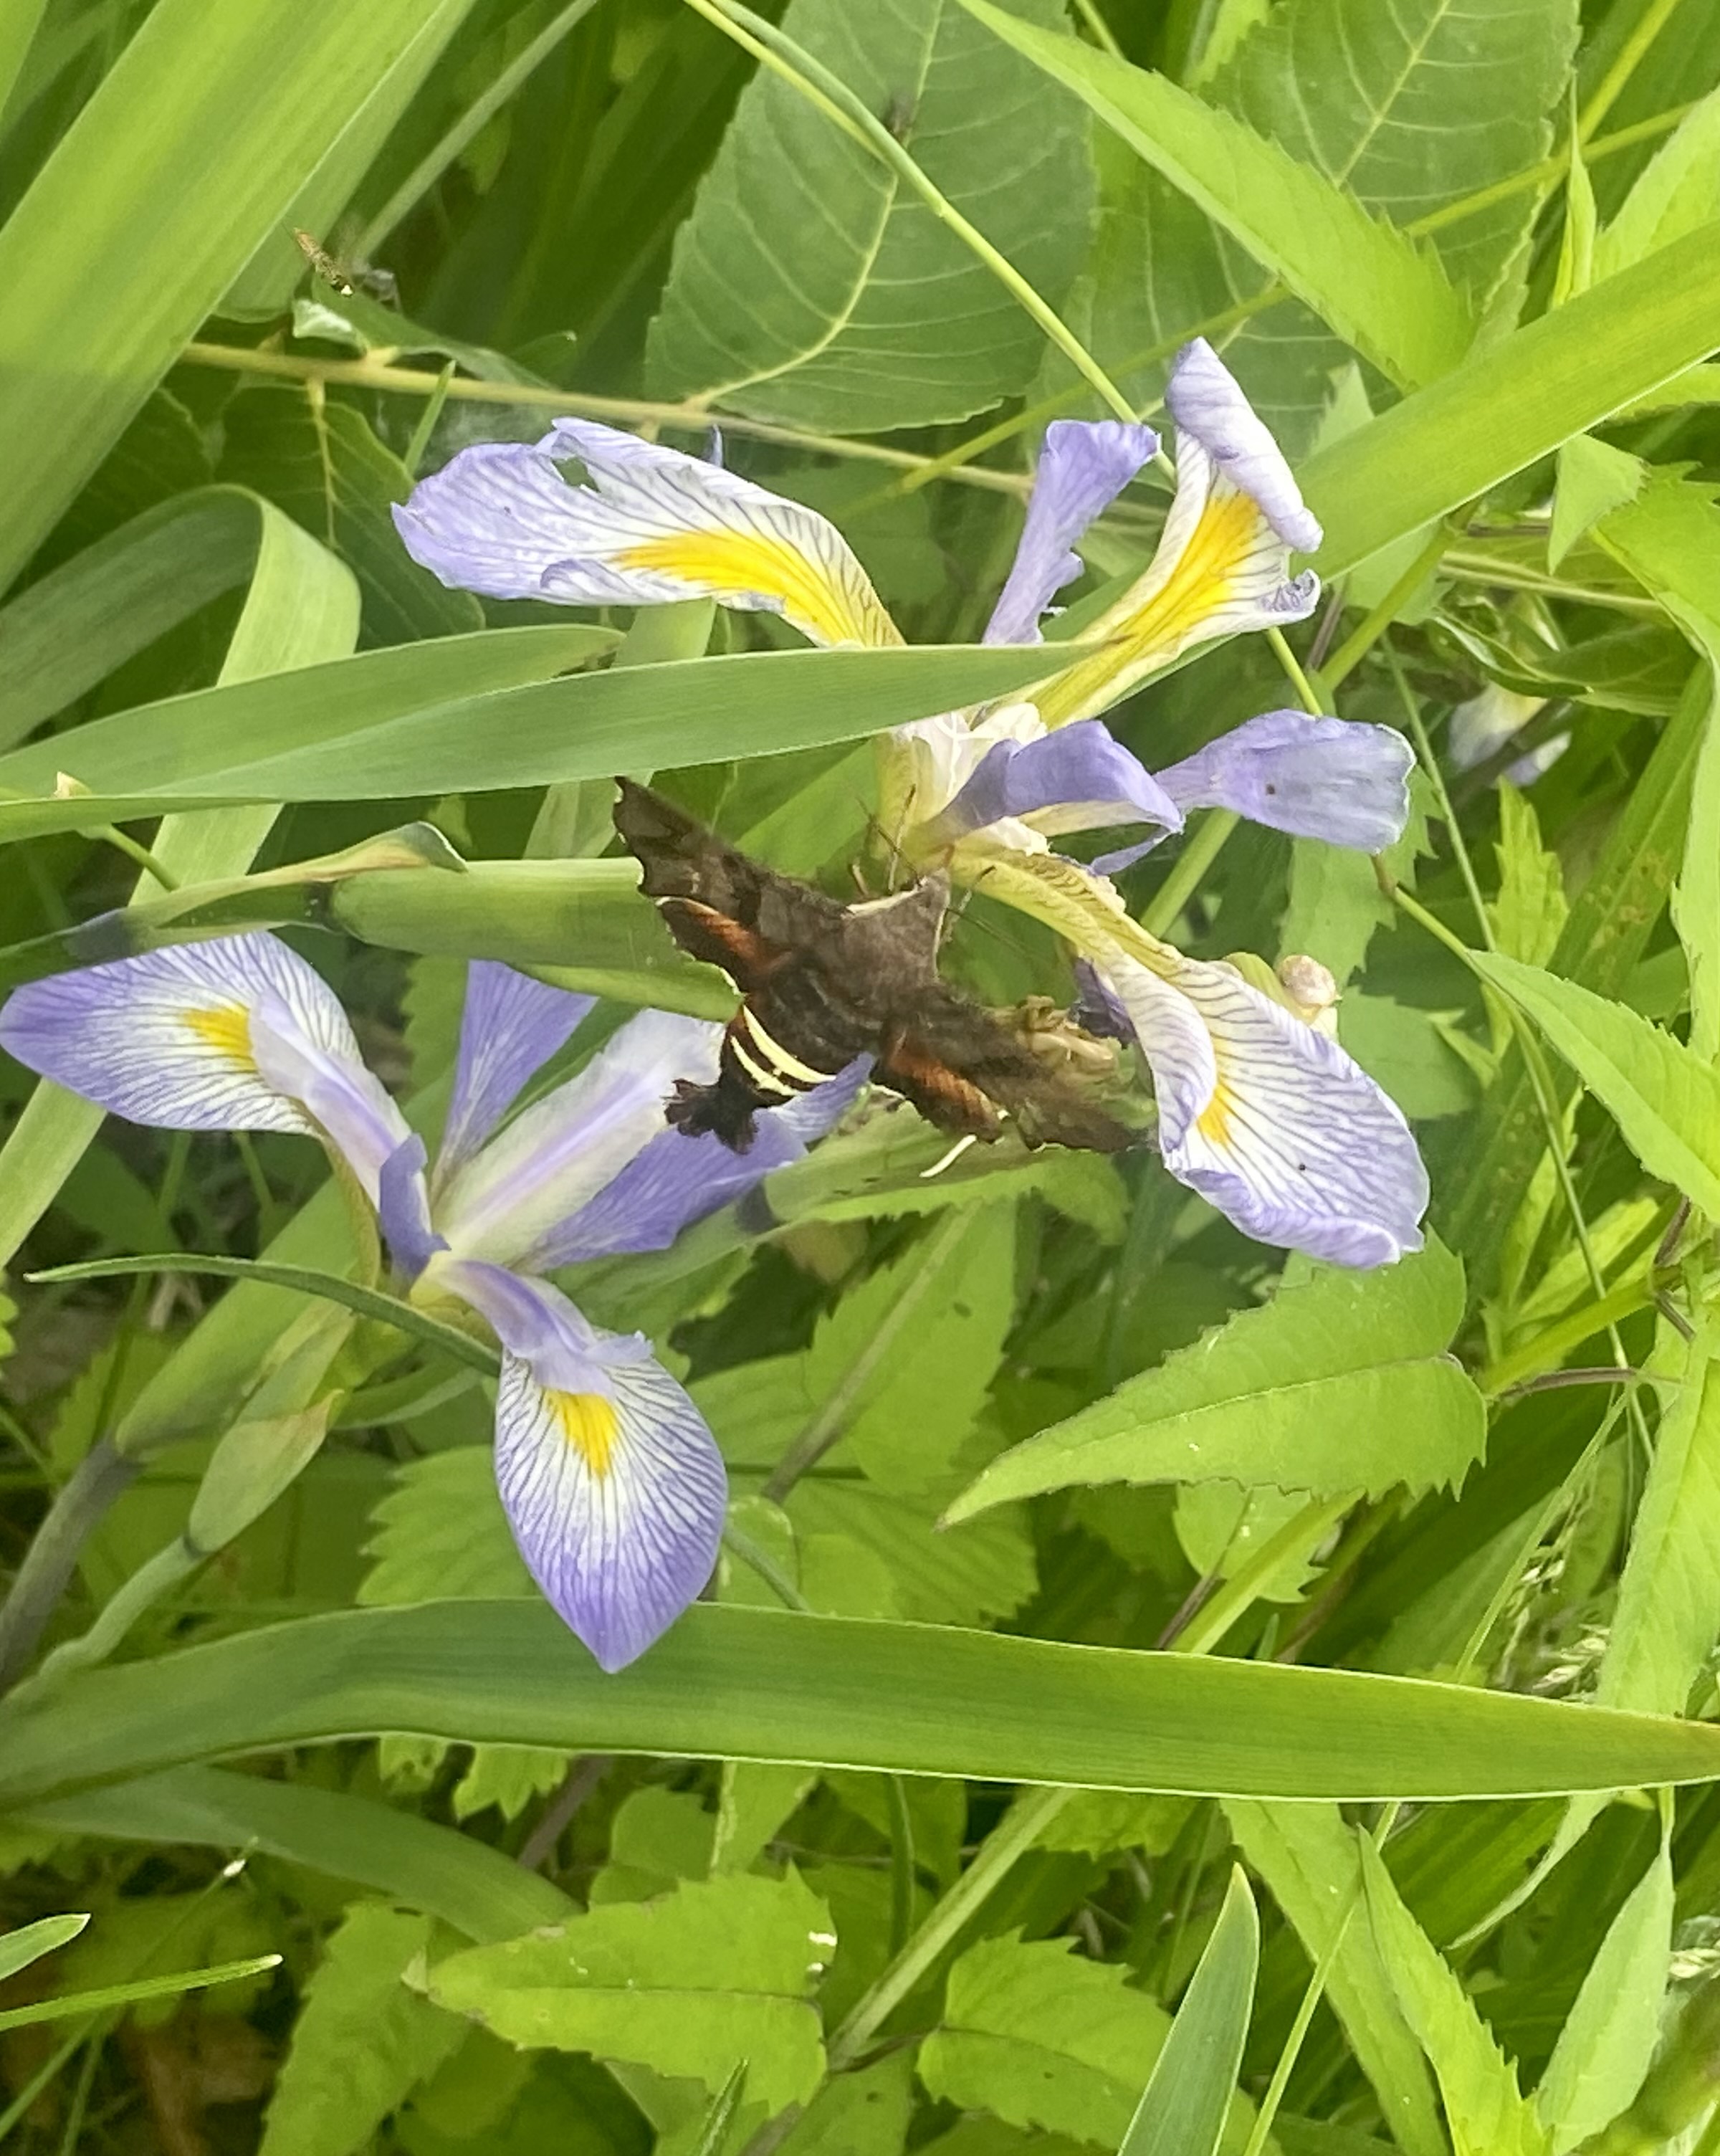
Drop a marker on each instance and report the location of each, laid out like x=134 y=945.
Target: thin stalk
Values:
x=1002 y=1849
x=1355 y=647
x=1103 y=36
x=1196 y=858
x=1306 y=1529
x=123 y=842
x=901 y=1863
x=426 y=426
x=1654 y=18
x=1293 y=672
x=847 y=110
x=635 y=410
x=477 y=115
x=1548 y=1348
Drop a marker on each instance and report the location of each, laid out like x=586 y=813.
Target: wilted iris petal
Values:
x=1345 y=782
x=1083 y=466
x=1222 y=565
x=1079 y=779
x=654 y=524
x=1270 y=1120
x=612 y=1483
x=509 y=1201
x=677 y=1179
x=234 y=1034
x=510 y=1026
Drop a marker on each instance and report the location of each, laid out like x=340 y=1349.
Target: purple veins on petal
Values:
x=1335 y=779
x=510 y=1026
x=612 y=1482
x=1206 y=401
x=1083 y=466
x=677 y=1180
x=1077 y=779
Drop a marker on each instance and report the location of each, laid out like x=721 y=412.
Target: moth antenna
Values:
x=950 y=1158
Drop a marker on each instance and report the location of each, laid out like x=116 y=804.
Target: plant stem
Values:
x=843 y=107
x=1305 y=1529
x=77 y=1507
x=1654 y=19
x=1196 y=858
x=1355 y=647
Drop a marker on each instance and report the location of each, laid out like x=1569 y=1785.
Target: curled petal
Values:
x=509 y=1202
x=1315 y=777
x=1083 y=467
x=403 y=1208
x=1079 y=779
x=677 y=1179
x=1222 y=565
x=654 y=524
x=1206 y=401
x=510 y=1026
x=1269 y=1119
x=612 y=1483
x=234 y=1034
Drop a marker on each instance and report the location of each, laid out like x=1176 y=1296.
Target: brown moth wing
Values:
x=681 y=861
x=940 y=1043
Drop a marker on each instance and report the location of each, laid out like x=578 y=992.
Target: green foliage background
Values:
x=1155 y=1698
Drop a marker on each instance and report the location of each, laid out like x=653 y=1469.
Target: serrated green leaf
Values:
x=1391 y=300
x=362 y=2041
x=1184 y=2108
x=1594 y=478
x=1486 y=2113
x=441 y=1531
x=1665 y=1099
x=689 y=1985
x=1668 y=1614
x=1044 y=2038
x=1530 y=912
x=810 y=285
x=1675 y=192
x=1610 y=2034
x=1342 y=1384
x=1695 y=896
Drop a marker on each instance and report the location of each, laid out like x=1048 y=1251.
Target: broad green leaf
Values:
x=1668 y=1614
x=689 y=1985
x=1486 y=2114
x=1612 y=2031
x=425 y=1540
x=1344 y=1384
x=729 y=1682
x=214 y=120
x=811 y=286
x=1043 y=2038
x=1695 y=899
x=1385 y=296
x=1675 y=192
x=1514 y=402
x=30 y=1942
x=317 y=459
x=388 y=724
x=1184 y=2106
x=361 y=2041
x=1665 y=1099
x=508 y=1777
x=1593 y=479
x=1530 y=911
x=481 y=1893
x=1307 y=1857
x=73 y=626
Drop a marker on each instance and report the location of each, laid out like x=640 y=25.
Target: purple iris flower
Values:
x=612 y=1483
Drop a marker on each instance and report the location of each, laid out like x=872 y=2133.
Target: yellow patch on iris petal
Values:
x=733 y=562
x=227 y=1030
x=1196 y=588
x=1214 y=1121
x=587 y=1420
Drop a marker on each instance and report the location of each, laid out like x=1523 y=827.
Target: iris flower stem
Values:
x=843 y=107
x=1292 y=666
x=1196 y=858
x=1654 y=19
x=1355 y=648
x=122 y=842
x=97 y=1480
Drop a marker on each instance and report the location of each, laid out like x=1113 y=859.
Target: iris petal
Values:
x=237 y=1034
x=510 y=1026
x=509 y=1201
x=1270 y=1120
x=1083 y=467
x=1326 y=779
x=1078 y=779
x=612 y=1483
x=677 y=1179
x=1206 y=401
x=655 y=524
